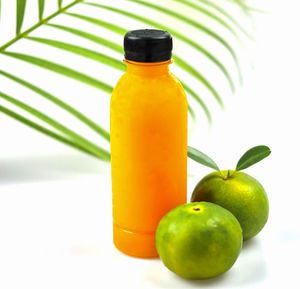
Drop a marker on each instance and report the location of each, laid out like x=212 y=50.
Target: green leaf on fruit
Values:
x=201 y=158
x=252 y=156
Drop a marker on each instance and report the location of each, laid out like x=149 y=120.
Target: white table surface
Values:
x=56 y=232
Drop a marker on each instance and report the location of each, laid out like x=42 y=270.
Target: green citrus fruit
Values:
x=198 y=240
x=239 y=193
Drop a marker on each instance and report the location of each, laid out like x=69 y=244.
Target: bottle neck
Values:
x=148 y=68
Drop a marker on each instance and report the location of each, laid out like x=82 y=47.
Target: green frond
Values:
x=41 y=8
x=95 y=38
x=247 y=9
x=184 y=65
x=101 y=131
x=193 y=94
x=45 y=131
x=37 y=25
x=221 y=11
x=180 y=36
x=192 y=113
x=68 y=136
x=79 y=50
x=21 y=4
x=210 y=15
x=58 y=68
x=241 y=4
x=113 y=27
x=58 y=126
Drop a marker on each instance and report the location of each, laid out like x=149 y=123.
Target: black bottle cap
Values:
x=148 y=45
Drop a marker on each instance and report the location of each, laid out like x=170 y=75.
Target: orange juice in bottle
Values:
x=148 y=126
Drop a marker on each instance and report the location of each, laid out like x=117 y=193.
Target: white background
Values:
x=55 y=203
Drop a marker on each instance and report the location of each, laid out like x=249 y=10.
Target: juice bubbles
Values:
x=148 y=126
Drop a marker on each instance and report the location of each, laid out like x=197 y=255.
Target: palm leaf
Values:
x=221 y=11
x=198 y=99
x=211 y=15
x=102 y=132
x=247 y=9
x=242 y=5
x=191 y=112
x=184 y=65
x=21 y=4
x=37 y=25
x=95 y=38
x=41 y=8
x=58 y=68
x=102 y=58
x=110 y=26
x=44 y=130
x=101 y=153
x=70 y=137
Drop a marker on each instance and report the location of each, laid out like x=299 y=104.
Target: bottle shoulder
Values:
x=133 y=82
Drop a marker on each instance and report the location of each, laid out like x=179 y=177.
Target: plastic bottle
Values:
x=148 y=126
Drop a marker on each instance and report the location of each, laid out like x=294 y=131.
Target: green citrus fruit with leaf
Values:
x=199 y=240
x=235 y=191
x=239 y=193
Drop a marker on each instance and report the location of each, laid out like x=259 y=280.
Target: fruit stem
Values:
x=228 y=174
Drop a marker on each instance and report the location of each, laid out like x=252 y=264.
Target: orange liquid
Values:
x=148 y=126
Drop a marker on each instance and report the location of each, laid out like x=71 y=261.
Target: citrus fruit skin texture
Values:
x=241 y=194
x=198 y=240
